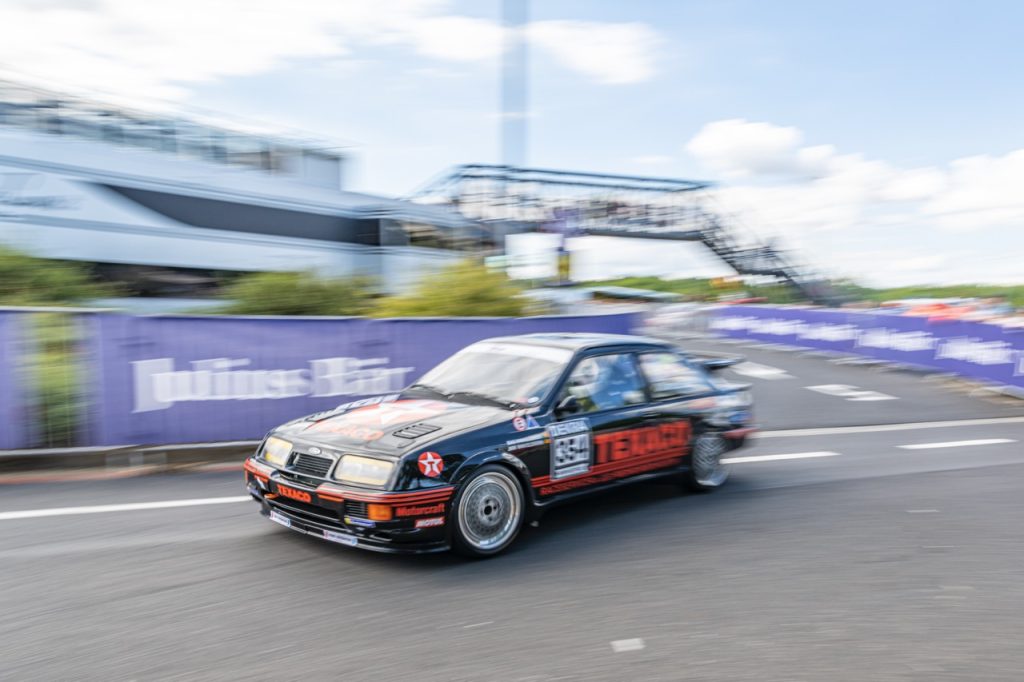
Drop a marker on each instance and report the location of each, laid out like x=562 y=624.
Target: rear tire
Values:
x=487 y=512
x=706 y=471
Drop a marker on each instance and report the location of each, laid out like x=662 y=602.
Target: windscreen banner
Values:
x=15 y=412
x=174 y=379
x=974 y=350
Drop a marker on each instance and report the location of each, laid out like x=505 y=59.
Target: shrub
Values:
x=465 y=289
x=299 y=293
x=28 y=281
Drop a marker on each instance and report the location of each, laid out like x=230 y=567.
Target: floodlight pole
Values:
x=513 y=83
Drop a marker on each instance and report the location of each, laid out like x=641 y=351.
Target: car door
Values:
x=597 y=435
x=681 y=395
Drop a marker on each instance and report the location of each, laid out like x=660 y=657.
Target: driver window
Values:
x=669 y=376
x=605 y=382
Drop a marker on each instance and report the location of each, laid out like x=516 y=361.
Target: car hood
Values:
x=390 y=427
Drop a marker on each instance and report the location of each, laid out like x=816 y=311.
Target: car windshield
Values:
x=511 y=372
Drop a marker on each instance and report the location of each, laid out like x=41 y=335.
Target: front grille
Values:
x=357 y=509
x=311 y=464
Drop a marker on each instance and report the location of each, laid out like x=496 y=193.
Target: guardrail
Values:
x=976 y=351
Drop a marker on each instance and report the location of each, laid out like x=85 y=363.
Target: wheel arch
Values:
x=508 y=461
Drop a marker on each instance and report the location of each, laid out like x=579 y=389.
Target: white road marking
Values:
x=907 y=426
x=848 y=392
x=759 y=371
x=957 y=443
x=478 y=625
x=621 y=645
x=101 y=509
x=922 y=511
x=772 y=458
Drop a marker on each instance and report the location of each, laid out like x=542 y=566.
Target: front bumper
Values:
x=335 y=514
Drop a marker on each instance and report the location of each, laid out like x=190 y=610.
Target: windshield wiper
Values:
x=432 y=389
x=501 y=402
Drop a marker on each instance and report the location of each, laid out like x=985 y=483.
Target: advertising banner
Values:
x=14 y=414
x=974 y=350
x=173 y=379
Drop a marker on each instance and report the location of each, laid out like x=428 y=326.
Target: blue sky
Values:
x=840 y=127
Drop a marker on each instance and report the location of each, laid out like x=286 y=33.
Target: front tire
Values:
x=707 y=472
x=487 y=512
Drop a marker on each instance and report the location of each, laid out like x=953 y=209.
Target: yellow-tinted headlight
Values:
x=276 y=451
x=366 y=470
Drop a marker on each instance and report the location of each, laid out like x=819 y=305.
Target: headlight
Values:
x=277 y=450
x=366 y=470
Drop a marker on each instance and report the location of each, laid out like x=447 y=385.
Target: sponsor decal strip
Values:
x=617 y=455
x=603 y=475
x=614 y=467
x=611 y=467
x=294 y=493
x=420 y=497
x=421 y=510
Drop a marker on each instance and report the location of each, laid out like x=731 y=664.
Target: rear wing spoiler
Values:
x=713 y=363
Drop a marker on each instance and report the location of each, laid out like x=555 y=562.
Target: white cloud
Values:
x=981 y=192
x=838 y=208
x=147 y=50
x=738 y=147
x=458 y=38
x=651 y=160
x=616 y=54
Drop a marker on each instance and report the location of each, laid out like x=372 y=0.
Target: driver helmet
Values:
x=586 y=378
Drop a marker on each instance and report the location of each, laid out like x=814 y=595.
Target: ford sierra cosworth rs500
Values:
x=496 y=434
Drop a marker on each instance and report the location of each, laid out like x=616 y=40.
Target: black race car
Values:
x=494 y=435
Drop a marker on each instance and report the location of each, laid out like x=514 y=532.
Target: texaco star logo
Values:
x=398 y=412
x=431 y=464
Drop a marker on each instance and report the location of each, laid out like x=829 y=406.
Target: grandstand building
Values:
x=171 y=205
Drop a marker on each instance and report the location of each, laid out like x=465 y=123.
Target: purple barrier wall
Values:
x=14 y=419
x=971 y=349
x=159 y=380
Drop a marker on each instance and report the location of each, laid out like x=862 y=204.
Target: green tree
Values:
x=465 y=289
x=28 y=281
x=299 y=293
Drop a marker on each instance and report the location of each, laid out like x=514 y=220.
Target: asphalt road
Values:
x=836 y=552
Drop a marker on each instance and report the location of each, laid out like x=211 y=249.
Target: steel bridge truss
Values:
x=508 y=199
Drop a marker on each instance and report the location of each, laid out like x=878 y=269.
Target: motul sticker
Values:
x=429 y=523
x=341 y=538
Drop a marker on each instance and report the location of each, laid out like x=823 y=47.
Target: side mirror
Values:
x=568 y=405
